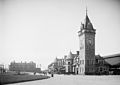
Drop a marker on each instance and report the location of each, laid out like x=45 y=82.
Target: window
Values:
x=68 y=63
x=82 y=61
x=102 y=61
x=92 y=69
x=89 y=69
x=80 y=69
x=96 y=60
x=104 y=68
x=92 y=62
x=87 y=62
x=86 y=69
x=79 y=61
x=100 y=68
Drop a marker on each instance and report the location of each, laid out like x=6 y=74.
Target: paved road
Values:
x=75 y=80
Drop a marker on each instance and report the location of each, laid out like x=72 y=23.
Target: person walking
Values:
x=52 y=74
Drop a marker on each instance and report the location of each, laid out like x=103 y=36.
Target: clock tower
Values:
x=87 y=47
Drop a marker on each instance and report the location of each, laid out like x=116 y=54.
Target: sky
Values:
x=41 y=30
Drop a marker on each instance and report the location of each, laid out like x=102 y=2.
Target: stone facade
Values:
x=102 y=66
x=87 y=47
x=66 y=65
x=23 y=67
x=70 y=64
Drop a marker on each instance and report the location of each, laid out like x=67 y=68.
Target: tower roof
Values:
x=87 y=20
x=87 y=23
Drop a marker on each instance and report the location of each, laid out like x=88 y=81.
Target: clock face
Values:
x=90 y=41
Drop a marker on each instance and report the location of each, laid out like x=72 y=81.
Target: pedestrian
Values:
x=52 y=75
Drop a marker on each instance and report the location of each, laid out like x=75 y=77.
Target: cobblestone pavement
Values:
x=75 y=80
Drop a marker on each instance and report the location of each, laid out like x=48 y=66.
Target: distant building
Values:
x=51 y=67
x=24 y=67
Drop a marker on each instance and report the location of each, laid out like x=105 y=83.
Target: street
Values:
x=75 y=80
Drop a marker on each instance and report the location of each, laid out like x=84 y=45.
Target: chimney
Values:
x=77 y=52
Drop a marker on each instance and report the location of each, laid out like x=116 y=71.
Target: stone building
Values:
x=57 y=66
x=66 y=65
x=70 y=62
x=87 y=47
x=23 y=67
x=85 y=61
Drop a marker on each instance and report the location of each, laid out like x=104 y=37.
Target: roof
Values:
x=87 y=23
x=112 y=59
x=98 y=57
x=87 y=20
x=71 y=56
x=101 y=58
x=112 y=56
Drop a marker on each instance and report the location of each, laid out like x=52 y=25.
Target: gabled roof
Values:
x=98 y=57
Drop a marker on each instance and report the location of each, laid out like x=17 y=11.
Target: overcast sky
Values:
x=41 y=30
